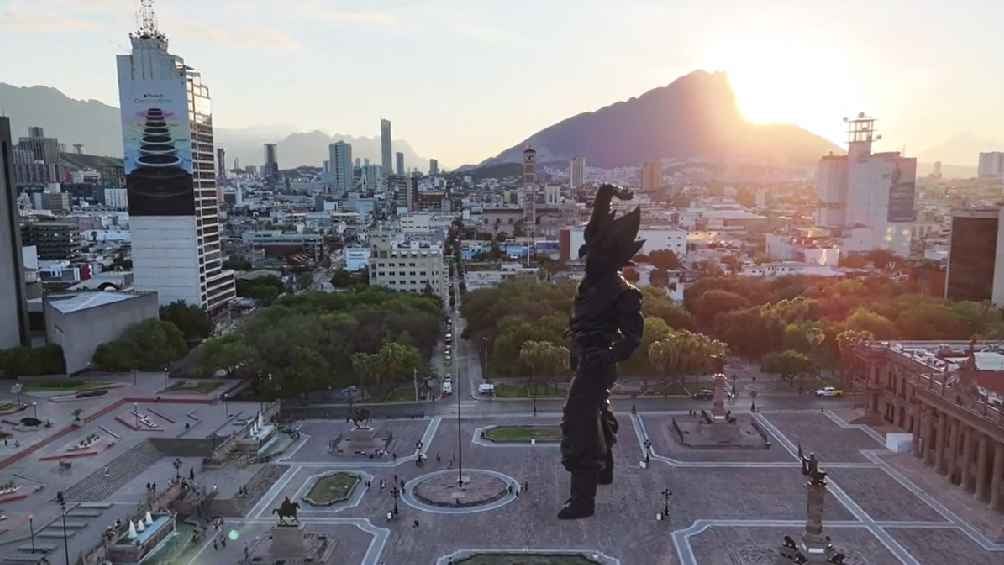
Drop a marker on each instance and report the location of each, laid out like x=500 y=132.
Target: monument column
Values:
x=996 y=498
x=968 y=477
x=942 y=440
x=982 y=483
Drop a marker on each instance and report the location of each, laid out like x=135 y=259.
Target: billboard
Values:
x=157 y=146
x=902 y=191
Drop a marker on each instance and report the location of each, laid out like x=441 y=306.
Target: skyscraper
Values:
x=13 y=308
x=651 y=176
x=43 y=153
x=576 y=172
x=385 y=155
x=976 y=256
x=340 y=166
x=167 y=131
x=433 y=167
x=400 y=164
x=271 y=170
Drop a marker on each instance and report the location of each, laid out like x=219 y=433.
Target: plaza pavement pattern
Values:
x=727 y=506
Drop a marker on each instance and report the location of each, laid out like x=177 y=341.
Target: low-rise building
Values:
x=408 y=265
x=80 y=322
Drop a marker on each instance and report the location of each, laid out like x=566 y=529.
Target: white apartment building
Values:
x=408 y=265
x=991 y=165
x=656 y=238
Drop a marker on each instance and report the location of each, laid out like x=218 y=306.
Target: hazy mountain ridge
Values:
x=98 y=127
x=695 y=116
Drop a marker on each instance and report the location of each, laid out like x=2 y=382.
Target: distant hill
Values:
x=98 y=127
x=695 y=116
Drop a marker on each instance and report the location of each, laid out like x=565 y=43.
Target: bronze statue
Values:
x=287 y=512
x=360 y=417
x=810 y=468
x=606 y=327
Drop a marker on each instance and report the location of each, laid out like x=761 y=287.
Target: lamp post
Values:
x=177 y=468
x=484 y=358
x=62 y=506
x=226 y=407
x=460 y=445
x=31 y=528
x=666 y=493
x=34 y=406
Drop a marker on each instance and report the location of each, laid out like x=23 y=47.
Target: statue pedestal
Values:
x=288 y=544
x=814 y=544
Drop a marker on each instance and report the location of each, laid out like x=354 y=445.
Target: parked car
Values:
x=703 y=394
x=447 y=388
x=486 y=389
x=829 y=392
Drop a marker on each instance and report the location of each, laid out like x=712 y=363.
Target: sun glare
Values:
x=777 y=82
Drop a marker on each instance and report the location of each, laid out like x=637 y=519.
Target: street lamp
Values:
x=226 y=407
x=62 y=506
x=394 y=493
x=484 y=358
x=177 y=468
x=34 y=406
x=31 y=528
x=666 y=493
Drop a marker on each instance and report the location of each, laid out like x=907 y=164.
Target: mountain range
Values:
x=98 y=127
x=695 y=116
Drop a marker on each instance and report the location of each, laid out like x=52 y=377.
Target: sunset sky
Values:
x=462 y=80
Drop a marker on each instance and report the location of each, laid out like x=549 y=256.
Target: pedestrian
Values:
x=402 y=484
x=414 y=524
x=526 y=486
x=509 y=489
x=223 y=540
x=215 y=546
x=634 y=409
x=383 y=484
x=394 y=456
x=191 y=474
x=438 y=460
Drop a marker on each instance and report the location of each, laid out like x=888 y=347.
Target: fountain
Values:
x=141 y=538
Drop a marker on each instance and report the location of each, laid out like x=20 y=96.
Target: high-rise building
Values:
x=13 y=308
x=400 y=164
x=340 y=166
x=651 y=176
x=976 y=256
x=868 y=197
x=991 y=165
x=576 y=172
x=385 y=150
x=55 y=241
x=271 y=170
x=529 y=165
x=372 y=177
x=43 y=154
x=433 y=168
x=167 y=130
x=221 y=165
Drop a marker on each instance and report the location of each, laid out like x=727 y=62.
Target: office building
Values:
x=40 y=158
x=991 y=165
x=13 y=307
x=340 y=167
x=385 y=149
x=56 y=201
x=408 y=266
x=976 y=256
x=400 y=164
x=651 y=176
x=271 y=170
x=167 y=130
x=867 y=197
x=117 y=198
x=371 y=177
x=433 y=167
x=56 y=241
x=576 y=172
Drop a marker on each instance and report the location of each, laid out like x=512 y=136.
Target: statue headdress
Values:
x=610 y=241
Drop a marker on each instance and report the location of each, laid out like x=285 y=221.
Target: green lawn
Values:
x=201 y=387
x=522 y=391
x=523 y=434
x=525 y=559
x=330 y=489
x=68 y=385
x=7 y=407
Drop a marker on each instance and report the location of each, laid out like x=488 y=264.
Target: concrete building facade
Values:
x=976 y=256
x=948 y=396
x=340 y=166
x=13 y=307
x=408 y=266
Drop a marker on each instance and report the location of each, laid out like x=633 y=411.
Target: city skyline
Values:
x=910 y=79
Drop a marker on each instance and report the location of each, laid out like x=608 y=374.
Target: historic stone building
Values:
x=948 y=395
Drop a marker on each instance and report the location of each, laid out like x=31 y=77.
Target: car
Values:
x=703 y=394
x=829 y=392
x=486 y=388
x=447 y=388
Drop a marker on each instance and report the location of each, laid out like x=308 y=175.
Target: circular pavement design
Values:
x=482 y=490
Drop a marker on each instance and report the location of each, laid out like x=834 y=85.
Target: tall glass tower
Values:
x=385 y=155
x=167 y=131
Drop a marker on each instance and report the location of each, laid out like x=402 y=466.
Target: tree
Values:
x=683 y=352
x=193 y=321
x=665 y=259
x=392 y=364
x=149 y=345
x=262 y=289
x=788 y=363
x=714 y=302
x=237 y=263
x=544 y=360
x=228 y=354
x=32 y=361
x=659 y=278
x=343 y=279
x=732 y=262
x=878 y=325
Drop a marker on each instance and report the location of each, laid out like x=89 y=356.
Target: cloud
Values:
x=22 y=21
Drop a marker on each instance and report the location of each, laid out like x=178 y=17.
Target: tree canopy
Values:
x=193 y=321
x=150 y=345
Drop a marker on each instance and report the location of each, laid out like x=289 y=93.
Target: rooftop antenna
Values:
x=146 y=17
